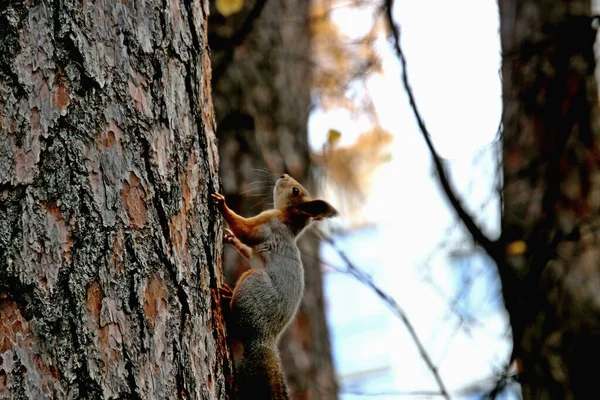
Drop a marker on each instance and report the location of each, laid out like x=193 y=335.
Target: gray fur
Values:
x=267 y=297
x=272 y=293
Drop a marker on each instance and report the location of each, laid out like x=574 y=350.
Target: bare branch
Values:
x=395 y=307
x=491 y=247
x=503 y=382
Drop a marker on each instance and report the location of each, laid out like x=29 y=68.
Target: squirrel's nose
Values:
x=282 y=176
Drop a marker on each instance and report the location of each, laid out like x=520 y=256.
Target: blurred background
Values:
x=398 y=298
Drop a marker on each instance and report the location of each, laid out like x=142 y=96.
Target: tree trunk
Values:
x=109 y=249
x=551 y=195
x=262 y=86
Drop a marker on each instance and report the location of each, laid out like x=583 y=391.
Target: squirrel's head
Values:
x=291 y=196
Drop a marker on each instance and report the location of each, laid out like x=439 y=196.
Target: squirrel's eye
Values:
x=295 y=191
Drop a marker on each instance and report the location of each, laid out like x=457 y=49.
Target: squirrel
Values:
x=267 y=296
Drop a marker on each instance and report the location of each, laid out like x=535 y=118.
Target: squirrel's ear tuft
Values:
x=317 y=209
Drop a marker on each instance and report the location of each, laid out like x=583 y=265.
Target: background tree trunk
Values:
x=262 y=86
x=551 y=195
x=109 y=250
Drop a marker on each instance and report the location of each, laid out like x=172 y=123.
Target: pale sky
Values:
x=453 y=55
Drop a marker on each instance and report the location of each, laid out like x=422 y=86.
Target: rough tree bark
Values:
x=262 y=97
x=551 y=220
x=109 y=249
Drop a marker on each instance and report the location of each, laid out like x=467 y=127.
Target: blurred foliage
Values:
x=344 y=56
x=229 y=7
x=342 y=60
x=349 y=169
x=344 y=34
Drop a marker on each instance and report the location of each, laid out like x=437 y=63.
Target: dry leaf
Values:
x=229 y=7
x=516 y=248
x=333 y=136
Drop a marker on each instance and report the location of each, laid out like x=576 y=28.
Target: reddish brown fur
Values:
x=260 y=375
x=245 y=229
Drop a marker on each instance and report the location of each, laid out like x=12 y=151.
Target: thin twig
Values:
x=491 y=247
x=395 y=307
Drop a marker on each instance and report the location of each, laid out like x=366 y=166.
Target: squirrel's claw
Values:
x=217 y=196
x=226 y=292
x=219 y=200
x=228 y=237
x=226 y=296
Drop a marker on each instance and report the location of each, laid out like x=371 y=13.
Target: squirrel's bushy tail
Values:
x=260 y=375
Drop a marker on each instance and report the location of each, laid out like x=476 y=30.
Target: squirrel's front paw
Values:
x=228 y=236
x=219 y=200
